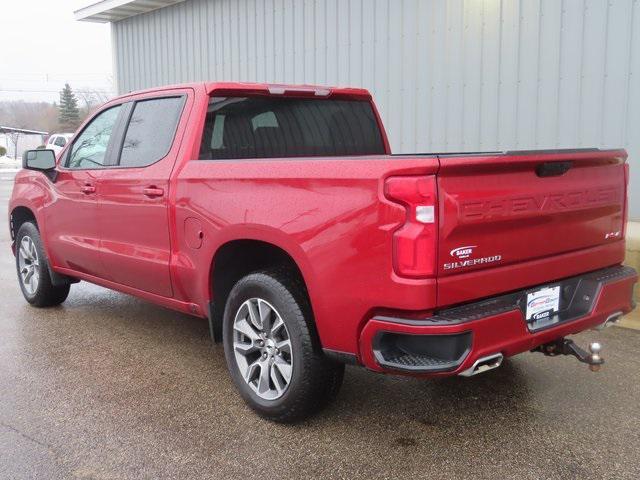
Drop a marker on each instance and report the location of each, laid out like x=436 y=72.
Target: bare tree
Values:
x=14 y=138
x=29 y=115
x=91 y=100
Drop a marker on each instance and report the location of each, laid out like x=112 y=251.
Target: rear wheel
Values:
x=33 y=270
x=272 y=350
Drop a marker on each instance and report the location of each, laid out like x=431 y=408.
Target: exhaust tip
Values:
x=611 y=320
x=483 y=364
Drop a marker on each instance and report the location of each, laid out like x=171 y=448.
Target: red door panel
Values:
x=134 y=228
x=71 y=219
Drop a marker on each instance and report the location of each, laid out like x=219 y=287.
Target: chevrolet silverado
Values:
x=278 y=213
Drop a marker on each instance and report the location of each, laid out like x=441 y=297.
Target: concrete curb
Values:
x=633 y=260
x=633 y=237
x=632 y=320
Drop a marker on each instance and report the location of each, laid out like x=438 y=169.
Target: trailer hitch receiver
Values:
x=564 y=346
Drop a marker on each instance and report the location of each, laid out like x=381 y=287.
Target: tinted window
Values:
x=151 y=130
x=90 y=148
x=61 y=141
x=263 y=127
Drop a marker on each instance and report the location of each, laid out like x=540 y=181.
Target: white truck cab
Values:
x=57 y=141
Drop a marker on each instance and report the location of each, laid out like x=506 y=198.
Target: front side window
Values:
x=268 y=127
x=151 y=131
x=90 y=148
x=60 y=141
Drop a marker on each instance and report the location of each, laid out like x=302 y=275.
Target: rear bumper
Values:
x=450 y=341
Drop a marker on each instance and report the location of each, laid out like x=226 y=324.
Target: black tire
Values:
x=45 y=294
x=315 y=379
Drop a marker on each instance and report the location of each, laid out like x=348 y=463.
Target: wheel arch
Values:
x=238 y=257
x=19 y=215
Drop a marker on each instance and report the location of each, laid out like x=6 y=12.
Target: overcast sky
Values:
x=43 y=47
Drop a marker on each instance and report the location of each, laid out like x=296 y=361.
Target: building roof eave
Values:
x=24 y=131
x=106 y=11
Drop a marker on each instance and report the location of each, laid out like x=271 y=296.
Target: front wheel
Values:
x=272 y=350
x=33 y=270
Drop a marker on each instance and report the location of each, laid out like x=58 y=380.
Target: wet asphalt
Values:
x=108 y=386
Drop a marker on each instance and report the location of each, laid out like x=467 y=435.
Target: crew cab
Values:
x=279 y=214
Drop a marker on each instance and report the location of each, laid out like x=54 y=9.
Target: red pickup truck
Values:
x=279 y=214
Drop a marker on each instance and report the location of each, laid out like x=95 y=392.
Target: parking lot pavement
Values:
x=108 y=386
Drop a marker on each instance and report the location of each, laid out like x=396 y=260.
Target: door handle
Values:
x=152 y=192
x=87 y=189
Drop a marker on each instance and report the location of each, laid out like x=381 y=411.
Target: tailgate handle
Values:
x=553 y=169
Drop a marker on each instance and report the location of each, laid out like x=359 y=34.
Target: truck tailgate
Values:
x=512 y=220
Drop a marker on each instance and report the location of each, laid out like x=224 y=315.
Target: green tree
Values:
x=68 y=113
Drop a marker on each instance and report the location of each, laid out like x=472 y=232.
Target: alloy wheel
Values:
x=262 y=348
x=28 y=265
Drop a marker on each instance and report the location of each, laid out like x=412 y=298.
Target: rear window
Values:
x=268 y=127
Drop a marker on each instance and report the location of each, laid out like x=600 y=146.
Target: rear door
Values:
x=499 y=213
x=134 y=194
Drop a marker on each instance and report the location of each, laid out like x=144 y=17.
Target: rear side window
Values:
x=60 y=141
x=268 y=127
x=151 y=130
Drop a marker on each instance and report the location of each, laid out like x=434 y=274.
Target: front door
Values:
x=71 y=216
x=134 y=195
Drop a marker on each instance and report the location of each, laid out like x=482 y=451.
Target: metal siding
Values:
x=447 y=76
x=437 y=66
x=632 y=100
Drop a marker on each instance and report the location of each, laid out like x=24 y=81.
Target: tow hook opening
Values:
x=564 y=346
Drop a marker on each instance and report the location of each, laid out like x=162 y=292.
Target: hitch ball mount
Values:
x=564 y=346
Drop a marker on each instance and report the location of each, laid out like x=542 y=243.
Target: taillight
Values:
x=415 y=242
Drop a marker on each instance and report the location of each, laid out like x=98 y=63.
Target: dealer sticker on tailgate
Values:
x=543 y=303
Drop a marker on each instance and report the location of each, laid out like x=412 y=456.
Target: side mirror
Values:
x=41 y=160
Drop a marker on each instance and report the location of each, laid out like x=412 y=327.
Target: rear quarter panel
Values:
x=329 y=214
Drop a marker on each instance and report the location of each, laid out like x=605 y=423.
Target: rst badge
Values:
x=463 y=256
